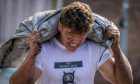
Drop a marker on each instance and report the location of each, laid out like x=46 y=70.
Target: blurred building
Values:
x=12 y=12
x=134 y=39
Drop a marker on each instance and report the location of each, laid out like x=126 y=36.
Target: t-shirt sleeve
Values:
x=105 y=55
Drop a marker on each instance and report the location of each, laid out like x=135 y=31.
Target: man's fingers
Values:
x=34 y=37
x=34 y=31
x=111 y=33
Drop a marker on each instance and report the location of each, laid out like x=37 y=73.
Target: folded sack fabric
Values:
x=13 y=51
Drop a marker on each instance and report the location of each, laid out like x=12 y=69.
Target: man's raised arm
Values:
x=27 y=72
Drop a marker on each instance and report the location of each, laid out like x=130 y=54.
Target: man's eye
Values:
x=69 y=34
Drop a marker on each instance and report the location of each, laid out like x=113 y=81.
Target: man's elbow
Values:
x=130 y=79
x=126 y=80
x=17 y=80
x=20 y=80
x=12 y=80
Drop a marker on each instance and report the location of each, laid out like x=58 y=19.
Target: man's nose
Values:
x=76 y=39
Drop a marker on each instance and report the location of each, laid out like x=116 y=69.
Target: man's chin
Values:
x=72 y=49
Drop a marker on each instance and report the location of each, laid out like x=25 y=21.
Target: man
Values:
x=70 y=58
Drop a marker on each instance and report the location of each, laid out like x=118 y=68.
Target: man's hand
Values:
x=114 y=34
x=34 y=40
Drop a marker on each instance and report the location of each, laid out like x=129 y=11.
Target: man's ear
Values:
x=59 y=27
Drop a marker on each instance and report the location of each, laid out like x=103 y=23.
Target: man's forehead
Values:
x=74 y=30
x=77 y=33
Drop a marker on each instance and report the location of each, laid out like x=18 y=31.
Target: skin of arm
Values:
x=27 y=72
x=117 y=70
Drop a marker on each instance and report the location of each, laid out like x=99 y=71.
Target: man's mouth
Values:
x=73 y=44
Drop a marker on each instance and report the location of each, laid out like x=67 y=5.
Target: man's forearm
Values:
x=24 y=74
x=123 y=72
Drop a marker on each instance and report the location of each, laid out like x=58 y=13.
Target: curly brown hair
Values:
x=77 y=16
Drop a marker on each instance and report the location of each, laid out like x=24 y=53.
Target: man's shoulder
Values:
x=94 y=44
x=47 y=42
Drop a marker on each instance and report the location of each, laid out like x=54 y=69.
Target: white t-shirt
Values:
x=59 y=66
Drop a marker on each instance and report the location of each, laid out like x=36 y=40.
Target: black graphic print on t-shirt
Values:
x=68 y=78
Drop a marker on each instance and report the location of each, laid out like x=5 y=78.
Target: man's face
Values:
x=70 y=39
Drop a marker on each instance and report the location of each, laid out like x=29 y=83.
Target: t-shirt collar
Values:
x=58 y=43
